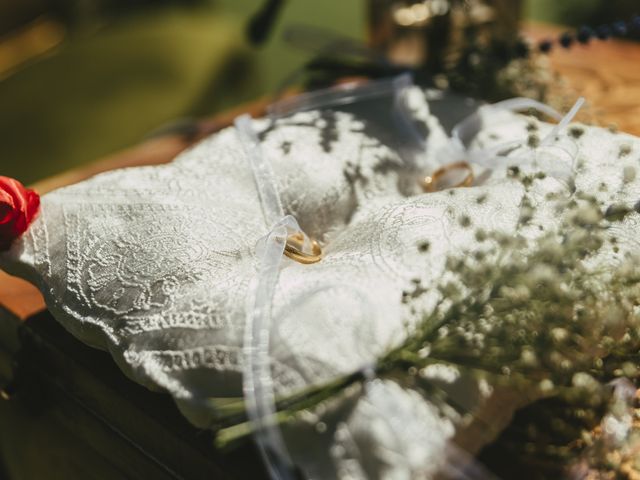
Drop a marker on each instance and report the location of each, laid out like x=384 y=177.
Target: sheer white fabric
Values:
x=153 y=264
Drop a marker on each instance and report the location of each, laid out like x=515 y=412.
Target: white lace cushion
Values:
x=153 y=264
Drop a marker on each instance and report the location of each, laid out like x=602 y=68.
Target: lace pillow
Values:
x=153 y=265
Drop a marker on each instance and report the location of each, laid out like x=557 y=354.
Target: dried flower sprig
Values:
x=530 y=315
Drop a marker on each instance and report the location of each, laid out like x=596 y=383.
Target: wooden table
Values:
x=606 y=73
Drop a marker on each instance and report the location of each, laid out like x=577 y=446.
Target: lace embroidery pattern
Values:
x=39 y=239
x=140 y=266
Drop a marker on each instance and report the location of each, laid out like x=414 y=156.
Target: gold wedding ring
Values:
x=294 y=250
x=430 y=182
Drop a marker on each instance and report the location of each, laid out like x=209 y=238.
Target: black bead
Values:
x=585 y=34
x=603 y=32
x=620 y=28
x=545 y=46
x=635 y=23
x=502 y=53
x=522 y=49
x=566 y=40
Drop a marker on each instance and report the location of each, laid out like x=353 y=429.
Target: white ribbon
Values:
x=395 y=88
x=468 y=128
x=566 y=120
x=257 y=382
x=256 y=379
x=492 y=158
x=262 y=171
x=341 y=94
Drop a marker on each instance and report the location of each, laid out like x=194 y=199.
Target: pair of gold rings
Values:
x=432 y=183
x=294 y=250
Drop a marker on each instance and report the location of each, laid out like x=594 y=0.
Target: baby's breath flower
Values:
x=586 y=216
x=629 y=174
x=625 y=149
x=616 y=213
x=532 y=315
x=585 y=381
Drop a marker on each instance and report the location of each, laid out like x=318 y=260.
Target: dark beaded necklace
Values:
x=583 y=36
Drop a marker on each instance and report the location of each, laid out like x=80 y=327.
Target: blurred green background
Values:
x=80 y=79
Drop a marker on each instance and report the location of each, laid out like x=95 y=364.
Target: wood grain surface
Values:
x=606 y=73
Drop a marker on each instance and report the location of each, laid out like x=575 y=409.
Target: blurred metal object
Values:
x=410 y=32
x=430 y=34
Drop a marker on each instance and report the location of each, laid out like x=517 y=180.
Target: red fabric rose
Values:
x=18 y=208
